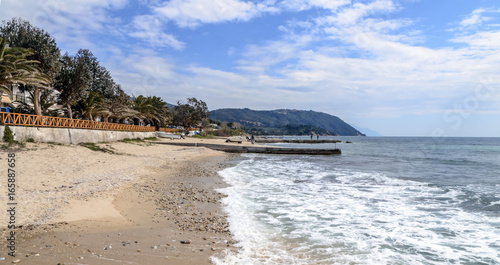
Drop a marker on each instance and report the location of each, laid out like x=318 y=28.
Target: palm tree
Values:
x=119 y=106
x=92 y=106
x=16 y=69
x=20 y=33
x=144 y=108
x=151 y=109
x=119 y=110
x=162 y=111
x=47 y=100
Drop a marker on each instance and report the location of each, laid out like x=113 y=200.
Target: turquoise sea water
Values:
x=385 y=200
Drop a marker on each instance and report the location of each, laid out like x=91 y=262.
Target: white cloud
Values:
x=90 y=14
x=149 y=29
x=373 y=66
x=359 y=21
x=259 y=58
x=70 y=22
x=353 y=14
x=489 y=40
x=478 y=20
x=191 y=13
x=147 y=73
x=300 y=5
x=143 y=72
x=475 y=18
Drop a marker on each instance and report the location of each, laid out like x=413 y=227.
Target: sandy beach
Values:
x=128 y=203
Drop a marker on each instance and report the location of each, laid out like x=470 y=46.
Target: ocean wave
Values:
x=299 y=210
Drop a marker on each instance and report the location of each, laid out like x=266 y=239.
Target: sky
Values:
x=398 y=67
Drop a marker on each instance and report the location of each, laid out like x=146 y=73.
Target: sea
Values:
x=385 y=200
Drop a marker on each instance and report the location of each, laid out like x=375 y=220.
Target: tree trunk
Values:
x=70 y=112
x=36 y=101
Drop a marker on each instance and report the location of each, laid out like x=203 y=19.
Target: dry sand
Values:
x=138 y=203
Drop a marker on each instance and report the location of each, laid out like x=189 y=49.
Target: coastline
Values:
x=134 y=203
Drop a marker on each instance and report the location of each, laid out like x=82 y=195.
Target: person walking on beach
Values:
x=253 y=139
x=311 y=137
x=317 y=137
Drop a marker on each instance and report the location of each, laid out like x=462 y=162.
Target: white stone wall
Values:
x=71 y=136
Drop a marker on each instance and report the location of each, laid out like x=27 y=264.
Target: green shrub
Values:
x=8 y=137
x=94 y=147
x=30 y=140
x=203 y=137
x=131 y=140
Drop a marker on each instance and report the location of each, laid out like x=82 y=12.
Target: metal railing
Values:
x=17 y=119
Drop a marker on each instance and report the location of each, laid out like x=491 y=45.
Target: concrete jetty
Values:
x=259 y=149
x=294 y=141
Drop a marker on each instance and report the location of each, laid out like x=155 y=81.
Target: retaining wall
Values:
x=70 y=135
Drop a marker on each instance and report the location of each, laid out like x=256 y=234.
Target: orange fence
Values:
x=56 y=122
x=169 y=130
x=173 y=130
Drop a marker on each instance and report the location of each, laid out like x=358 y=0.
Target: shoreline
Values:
x=141 y=204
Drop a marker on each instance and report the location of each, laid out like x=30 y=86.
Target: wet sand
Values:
x=135 y=203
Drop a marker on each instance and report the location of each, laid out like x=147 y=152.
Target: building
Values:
x=18 y=98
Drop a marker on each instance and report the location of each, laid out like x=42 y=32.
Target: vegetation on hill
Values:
x=289 y=130
x=285 y=122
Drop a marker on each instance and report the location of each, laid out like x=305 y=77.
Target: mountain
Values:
x=285 y=121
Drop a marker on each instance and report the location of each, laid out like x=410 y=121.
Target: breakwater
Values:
x=260 y=149
x=295 y=141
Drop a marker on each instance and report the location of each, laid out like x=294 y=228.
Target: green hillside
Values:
x=285 y=121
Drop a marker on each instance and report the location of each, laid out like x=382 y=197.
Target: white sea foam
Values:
x=284 y=211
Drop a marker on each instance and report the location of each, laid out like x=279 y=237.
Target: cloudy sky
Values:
x=399 y=67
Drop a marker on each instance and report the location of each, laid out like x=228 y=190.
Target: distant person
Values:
x=252 y=139
x=311 y=137
x=317 y=137
x=182 y=136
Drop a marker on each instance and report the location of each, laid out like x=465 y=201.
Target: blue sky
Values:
x=399 y=67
